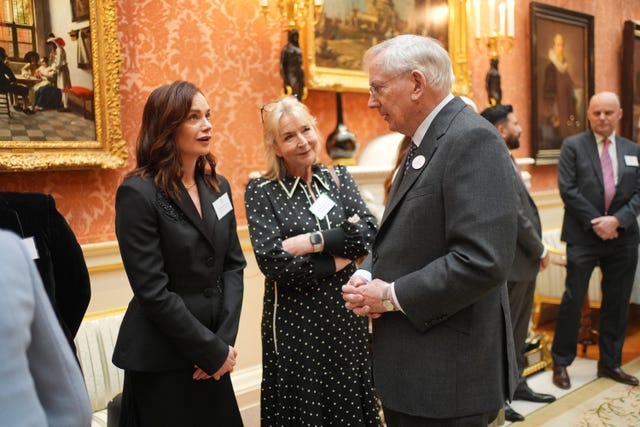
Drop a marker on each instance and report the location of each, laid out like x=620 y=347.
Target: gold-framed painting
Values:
x=334 y=46
x=108 y=150
x=630 y=93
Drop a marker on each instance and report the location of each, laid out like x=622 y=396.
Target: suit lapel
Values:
x=206 y=224
x=620 y=153
x=207 y=197
x=594 y=156
x=427 y=149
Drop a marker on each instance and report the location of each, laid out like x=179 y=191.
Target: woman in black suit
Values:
x=177 y=234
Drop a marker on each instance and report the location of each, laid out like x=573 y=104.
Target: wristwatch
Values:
x=386 y=299
x=316 y=240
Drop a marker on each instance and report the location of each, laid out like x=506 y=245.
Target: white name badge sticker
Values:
x=631 y=161
x=30 y=245
x=222 y=206
x=418 y=162
x=322 y=206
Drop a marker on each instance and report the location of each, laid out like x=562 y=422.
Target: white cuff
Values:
x=395 y=298
x=364 y=273
x=544 y=252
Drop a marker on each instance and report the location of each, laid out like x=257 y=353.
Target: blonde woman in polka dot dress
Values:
x=308 y=224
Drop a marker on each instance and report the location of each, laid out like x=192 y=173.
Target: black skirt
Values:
x=158 y=399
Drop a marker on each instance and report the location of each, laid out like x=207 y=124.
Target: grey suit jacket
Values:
x=447 y=239
x=582 y=189
x=186 y=274
x=41 y=380
x=529 y=247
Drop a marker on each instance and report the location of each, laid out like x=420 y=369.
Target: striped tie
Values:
x=607 y=175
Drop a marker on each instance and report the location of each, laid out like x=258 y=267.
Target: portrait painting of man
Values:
x=562 y=76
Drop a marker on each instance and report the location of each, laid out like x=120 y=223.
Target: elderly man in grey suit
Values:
x=531 y=256
x=443 y=351
x=41 y=381
x=599 y=181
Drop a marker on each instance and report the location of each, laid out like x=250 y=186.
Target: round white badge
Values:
x=418 y=162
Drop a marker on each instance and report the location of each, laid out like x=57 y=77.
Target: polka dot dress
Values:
x=315 y=353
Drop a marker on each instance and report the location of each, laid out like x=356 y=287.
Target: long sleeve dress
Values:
x=315 y=353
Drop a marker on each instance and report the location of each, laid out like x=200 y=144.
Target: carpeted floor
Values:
x=591 y=401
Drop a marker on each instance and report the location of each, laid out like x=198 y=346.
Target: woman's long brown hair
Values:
x=157 y=150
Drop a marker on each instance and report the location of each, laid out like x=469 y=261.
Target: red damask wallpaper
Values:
x=227 y=49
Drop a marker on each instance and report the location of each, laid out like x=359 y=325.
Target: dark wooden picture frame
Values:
x=562 y=77
x=630 y=90
x=79 y=10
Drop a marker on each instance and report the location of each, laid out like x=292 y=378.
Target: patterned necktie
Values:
x=410 y=156
x=607 y=175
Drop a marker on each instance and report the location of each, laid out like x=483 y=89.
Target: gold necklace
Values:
x=188 y=187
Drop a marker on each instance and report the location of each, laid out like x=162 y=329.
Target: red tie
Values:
x=607 y=175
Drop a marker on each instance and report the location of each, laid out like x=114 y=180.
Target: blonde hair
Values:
x=271 y=115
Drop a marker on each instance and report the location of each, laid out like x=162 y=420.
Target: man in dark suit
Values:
x=531 y=256
x=599 y=181
x=443 y=349
x=56 y=252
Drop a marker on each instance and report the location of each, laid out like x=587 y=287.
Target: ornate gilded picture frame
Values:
x=108 y=150
x=630 y=94
x=335 y=45
x=562 y=77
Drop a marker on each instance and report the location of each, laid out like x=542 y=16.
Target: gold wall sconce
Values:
x=291 y=14
x=494 y=29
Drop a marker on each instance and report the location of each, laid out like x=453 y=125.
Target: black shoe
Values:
x=523 y=392
x=63 y=110
x=511 y=415
x=28 y=111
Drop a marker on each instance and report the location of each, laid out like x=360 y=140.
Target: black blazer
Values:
x=186 y=274
x=582 y=189
x=61 y=262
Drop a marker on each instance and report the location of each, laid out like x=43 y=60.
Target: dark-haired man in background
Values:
x=530 y=257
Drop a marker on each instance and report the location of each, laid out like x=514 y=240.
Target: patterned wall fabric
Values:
x=227 y=49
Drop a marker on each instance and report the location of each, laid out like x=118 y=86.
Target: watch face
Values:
x=387 y=305
x=315 y=238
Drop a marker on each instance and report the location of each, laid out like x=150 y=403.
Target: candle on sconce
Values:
x=476 y=15
x=503 y=21
x=318 y=2
x=492 y=13
x=510 y=19
x=264 y=3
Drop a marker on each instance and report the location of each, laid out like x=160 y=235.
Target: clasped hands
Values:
x=364 y=297
x=606 y=227
x=227 y=366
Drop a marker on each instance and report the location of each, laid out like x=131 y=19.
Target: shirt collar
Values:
x=600 y=139
x=290 y=183
x=419 y=134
